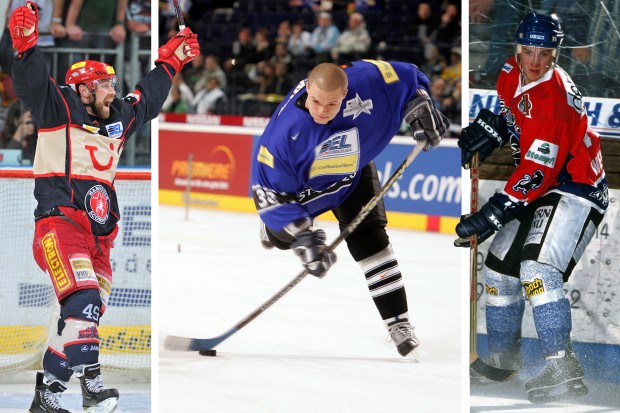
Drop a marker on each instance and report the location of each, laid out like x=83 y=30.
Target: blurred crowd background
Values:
x=253 y=51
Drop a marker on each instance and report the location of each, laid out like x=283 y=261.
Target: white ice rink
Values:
x=322 y=347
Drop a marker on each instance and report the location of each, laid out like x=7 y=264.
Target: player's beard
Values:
x=100 y=109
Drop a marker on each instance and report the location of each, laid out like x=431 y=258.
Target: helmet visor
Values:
x=110 y=84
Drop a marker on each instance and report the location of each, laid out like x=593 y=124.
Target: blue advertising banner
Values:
x=432 y=183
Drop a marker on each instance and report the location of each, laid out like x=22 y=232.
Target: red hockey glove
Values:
x=24 y=27
x=180 y=50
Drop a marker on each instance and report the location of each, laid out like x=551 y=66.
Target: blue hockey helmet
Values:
x=540 y=30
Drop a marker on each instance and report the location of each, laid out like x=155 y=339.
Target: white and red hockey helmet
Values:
x=92 y=73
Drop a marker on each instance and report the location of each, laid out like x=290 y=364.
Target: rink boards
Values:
x=426 y=198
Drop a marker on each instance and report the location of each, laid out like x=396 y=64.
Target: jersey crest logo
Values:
x=97 y=204
x=525 y=105
x=357 y=106
x=529 y=182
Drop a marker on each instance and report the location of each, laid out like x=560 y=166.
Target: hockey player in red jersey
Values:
x=548 y=210
x=83 y=128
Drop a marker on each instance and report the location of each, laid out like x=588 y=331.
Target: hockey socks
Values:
x=543 y=286
x=55 y=361
x=385 y=283
x=504 y=310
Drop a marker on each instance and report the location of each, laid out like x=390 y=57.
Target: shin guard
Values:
x=80 y=342
x=55 y=361
x=544 y=288
x=504 y=310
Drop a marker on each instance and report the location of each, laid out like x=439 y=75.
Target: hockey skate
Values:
x=96 y=398
x=402 y=335
x=47 y=396
x=561 y=378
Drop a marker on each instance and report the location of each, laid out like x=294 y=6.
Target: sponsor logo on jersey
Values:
x=88 y=333
x=525 y=105
x=115 y=130
x=491 y=290
x=97 y=204
x=264 y=156
x=82 y=269
x=507 y=68
x=529 y=182
x=91 y=129
x=533 y=288
x=386 y=69
x=357 y=106
x=539 y=224
x=542 y=153
x=337 y=155
x=58 y=272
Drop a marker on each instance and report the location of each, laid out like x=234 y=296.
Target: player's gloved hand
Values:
x=180 y=50
x=24 y=27
x=427 y=123
x=310 y=248
x=483 y=223
x=484 y=135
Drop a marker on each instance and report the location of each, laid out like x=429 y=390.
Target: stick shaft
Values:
x=179 y=12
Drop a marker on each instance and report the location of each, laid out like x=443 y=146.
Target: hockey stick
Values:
x=178 y=343
x=476 y=365
x=179 y=12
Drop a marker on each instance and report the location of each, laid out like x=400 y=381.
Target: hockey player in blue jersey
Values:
x=316 y=155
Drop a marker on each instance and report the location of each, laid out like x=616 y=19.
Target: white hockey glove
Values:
x=310 y=247
x=427 y=123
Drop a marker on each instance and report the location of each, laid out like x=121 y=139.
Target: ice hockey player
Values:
x=316 y=155
x=82 y=130
x=548 y=210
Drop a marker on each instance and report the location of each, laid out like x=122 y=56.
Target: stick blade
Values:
x=176 y=343
x=480 y=368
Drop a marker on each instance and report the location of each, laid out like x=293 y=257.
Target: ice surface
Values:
x=322 y=347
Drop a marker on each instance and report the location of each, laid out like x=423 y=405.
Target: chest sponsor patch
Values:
x=337 y=155
x=115 y=130
x=97 y=204
x=542 y=153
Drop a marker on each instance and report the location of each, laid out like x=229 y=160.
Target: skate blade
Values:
x=413 y=356
x=106 y=406
x=563 y=391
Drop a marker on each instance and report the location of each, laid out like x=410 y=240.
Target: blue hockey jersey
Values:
x=302 y=169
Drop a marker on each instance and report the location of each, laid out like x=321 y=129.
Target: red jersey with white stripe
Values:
x=559 y=152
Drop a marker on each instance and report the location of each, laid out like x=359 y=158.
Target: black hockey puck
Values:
x=211 y=353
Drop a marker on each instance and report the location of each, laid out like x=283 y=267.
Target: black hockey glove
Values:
x=483 y=223
x=484 y=135
x=310 y=248
x=427 y=123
